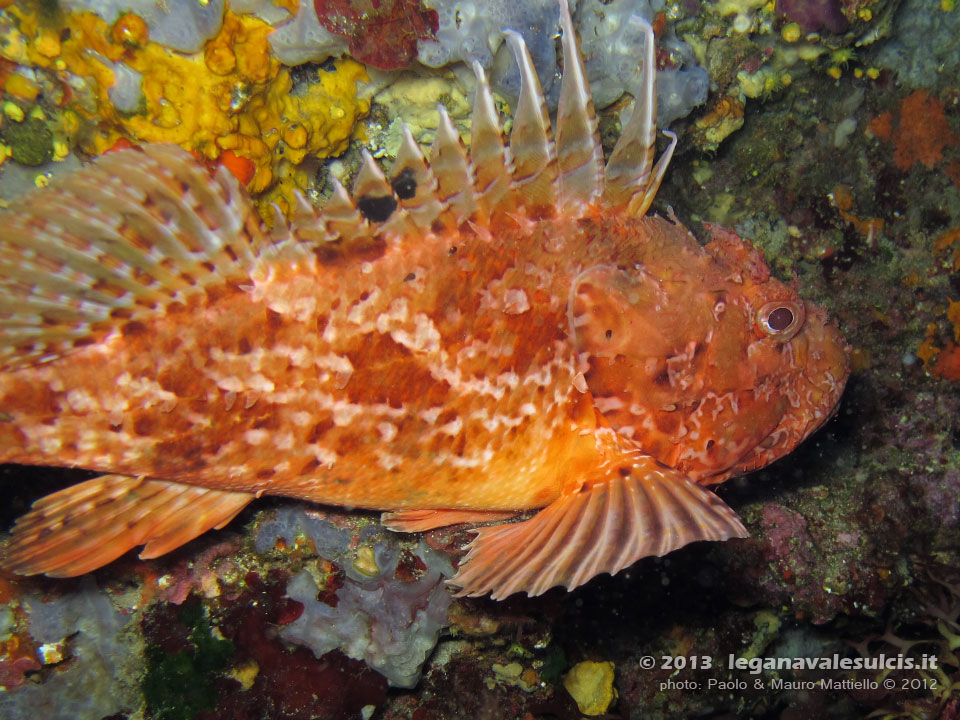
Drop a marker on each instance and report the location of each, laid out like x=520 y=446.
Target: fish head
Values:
x=703 y=359
x=809 y=369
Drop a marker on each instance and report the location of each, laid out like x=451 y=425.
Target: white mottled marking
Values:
x=81 y=401
x=515 y=301
x=387 y=430
x=260 y=383
x=453 y=427
x=231 y=384
x=255 y=437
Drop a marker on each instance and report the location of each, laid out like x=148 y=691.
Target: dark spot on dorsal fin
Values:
x=404 y=184
x=377 y=209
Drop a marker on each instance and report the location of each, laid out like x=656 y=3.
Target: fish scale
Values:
x=474 y=336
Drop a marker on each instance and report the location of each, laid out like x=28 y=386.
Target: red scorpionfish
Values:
x=476 y=336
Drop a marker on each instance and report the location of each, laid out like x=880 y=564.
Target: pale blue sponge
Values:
x=611 y=40
x=390 y=624
x=98 y=640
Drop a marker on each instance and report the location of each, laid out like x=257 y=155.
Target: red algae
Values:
x=882 y=126
x=948 y=363
x=923 y=131
x=381 y=34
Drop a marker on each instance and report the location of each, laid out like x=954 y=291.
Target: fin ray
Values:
x=622 y=512
x=129 y=233
x=341 y=216
x=579 y=154
x=451 y=166
x=414 y=183
x=422 y=520
x=535 y=174
x=629 y=179
x=488 y=154
x=85 y=526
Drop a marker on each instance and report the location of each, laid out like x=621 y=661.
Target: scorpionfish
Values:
x=498 y=336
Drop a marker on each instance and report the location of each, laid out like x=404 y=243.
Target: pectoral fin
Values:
x=622 y=512
x=423 y=520
x=85 y=526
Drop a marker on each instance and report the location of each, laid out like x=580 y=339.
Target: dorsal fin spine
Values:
x=341 y=216
x=641 y=201
x=424 y=205
x=488 y=154
x=629 y=181
x=531 y=141
x=449 y=162
x=579 y=154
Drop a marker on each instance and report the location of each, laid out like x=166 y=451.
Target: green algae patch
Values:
x=179 y=685
x=30 y=141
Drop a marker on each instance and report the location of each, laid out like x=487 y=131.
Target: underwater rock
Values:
x=383 y=608
x=925 y=46
x=85 y=648
x=814 y=15
x=468 y=31
x=383 y=37
x=303 y=39
x=182 y=25
x=612 y=40
x=30 y=141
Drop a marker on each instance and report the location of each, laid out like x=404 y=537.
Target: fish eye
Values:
x=780 y=319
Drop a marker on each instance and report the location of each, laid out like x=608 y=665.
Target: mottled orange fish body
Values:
x=476 y=336
x=417 y=379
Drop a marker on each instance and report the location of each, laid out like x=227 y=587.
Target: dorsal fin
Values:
x=343 y=220
x=307 y=228
x=374 y=197
x=578 y=143
x=114 y=242
x=535 y=171
x=448 y=160
x=414 y=183
x=140 y=229
x=490 y=158
x=631 y=178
